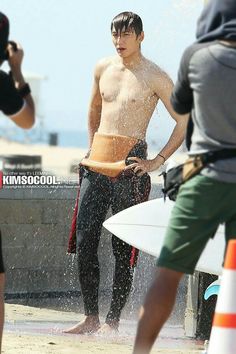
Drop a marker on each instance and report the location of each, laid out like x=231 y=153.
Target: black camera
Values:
x=14 y=46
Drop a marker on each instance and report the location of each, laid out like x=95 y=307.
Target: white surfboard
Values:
x=143 y=226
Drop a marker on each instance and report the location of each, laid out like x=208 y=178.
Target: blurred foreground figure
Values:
x=15 y=102
x=205 y=88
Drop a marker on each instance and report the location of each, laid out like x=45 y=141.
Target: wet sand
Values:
x=39 y=331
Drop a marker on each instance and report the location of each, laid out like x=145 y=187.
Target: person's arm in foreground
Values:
x=157 y=307
x=25 y=118
x=177 y=137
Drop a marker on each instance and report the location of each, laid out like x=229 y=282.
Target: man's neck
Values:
x=133 y=60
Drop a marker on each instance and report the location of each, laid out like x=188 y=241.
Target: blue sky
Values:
x=63 y=39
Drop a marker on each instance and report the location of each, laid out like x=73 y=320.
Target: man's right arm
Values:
x=26 y=116
x=95 y=106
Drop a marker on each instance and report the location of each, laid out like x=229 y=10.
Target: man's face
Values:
x=126 y=41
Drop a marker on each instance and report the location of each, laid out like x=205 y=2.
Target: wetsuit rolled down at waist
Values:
x=108 y=156
x=109 y=152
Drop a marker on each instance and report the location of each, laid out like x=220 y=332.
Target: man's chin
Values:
x=122 y=54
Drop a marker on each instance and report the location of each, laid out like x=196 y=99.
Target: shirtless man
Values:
x=17 y=104
x=126 y=90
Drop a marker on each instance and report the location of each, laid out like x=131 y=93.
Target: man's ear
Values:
x=141 y=37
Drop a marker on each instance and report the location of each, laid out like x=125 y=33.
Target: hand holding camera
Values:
x=13 y=53
x=11 y=45
x=14 y=56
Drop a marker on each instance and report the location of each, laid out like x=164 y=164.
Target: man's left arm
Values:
x=164 y=91
x=178 y=134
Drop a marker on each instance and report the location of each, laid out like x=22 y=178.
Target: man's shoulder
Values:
x=155 y=71
x=150 y=65
x=103 y=64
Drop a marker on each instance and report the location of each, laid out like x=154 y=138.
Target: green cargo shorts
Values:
x=202 y=204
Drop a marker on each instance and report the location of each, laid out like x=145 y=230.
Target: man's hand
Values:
x=140 y=167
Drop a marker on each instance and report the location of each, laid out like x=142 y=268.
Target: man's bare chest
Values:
x=125 y=86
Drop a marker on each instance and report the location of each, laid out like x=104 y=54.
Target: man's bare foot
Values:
x=109 y=329
x=90 y=324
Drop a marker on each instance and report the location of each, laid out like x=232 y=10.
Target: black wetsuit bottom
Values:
x=97 y=194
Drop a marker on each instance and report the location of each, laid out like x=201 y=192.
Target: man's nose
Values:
x=120 y=39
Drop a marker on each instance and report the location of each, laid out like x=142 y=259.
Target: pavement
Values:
x=33 y=328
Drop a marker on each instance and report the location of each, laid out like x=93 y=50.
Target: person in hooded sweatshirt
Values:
x=206 y=89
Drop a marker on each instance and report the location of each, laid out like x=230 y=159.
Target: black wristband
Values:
x=162 y=157
x=24 y=90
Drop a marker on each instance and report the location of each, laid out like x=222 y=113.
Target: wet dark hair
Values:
x=127 y=20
